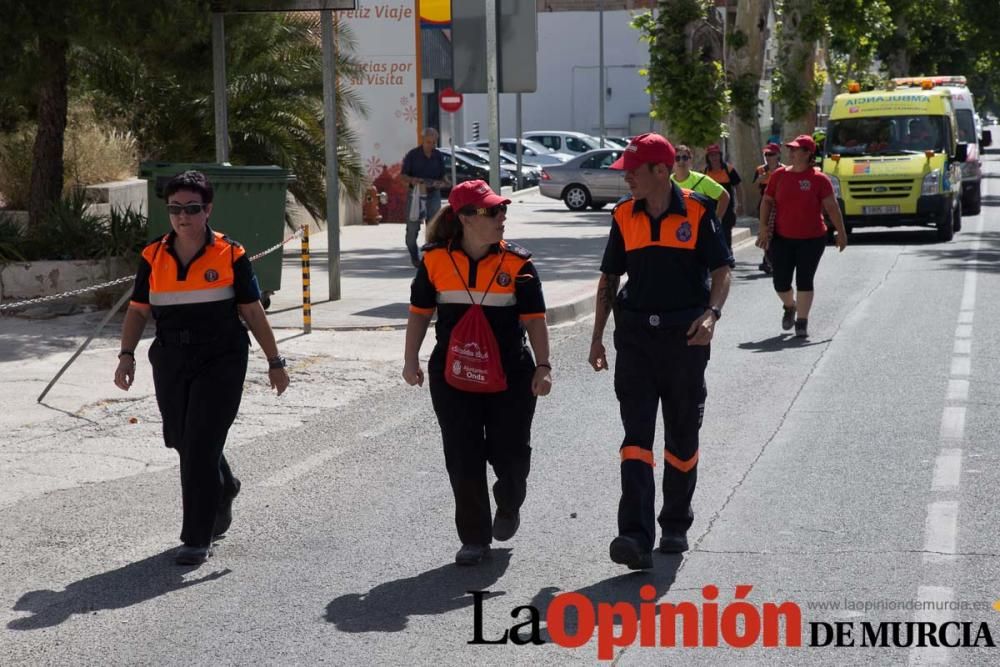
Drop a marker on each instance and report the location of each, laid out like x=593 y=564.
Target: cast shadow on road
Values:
x=960 y=257
x=620 y=588
x=388 y=606
x=780 y=342
x=115 y=589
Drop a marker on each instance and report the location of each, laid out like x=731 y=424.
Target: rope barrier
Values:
x=16 y=305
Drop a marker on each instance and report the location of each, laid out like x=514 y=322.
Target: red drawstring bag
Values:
x=473 y=360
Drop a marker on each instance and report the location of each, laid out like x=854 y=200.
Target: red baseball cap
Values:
x=649 y=148
x=772 y=148
x=474 y=193
x=802 y=141
x=714 y=148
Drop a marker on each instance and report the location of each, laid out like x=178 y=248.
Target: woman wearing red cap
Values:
x=473 y=278
x=725 y=175
x=798 y=194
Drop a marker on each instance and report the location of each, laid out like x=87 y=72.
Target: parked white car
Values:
x=573 y=143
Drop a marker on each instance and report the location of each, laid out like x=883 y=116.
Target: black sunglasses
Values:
x=491 y=212
x=683 y=158
x=190 y=209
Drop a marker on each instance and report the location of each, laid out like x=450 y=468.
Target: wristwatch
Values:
x=716 y=311
x=276 y=362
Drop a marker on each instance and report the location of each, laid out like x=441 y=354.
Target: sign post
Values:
x=451 y=101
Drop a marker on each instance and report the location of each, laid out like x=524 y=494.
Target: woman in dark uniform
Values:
x=467 y=259
x=197 y=283
x=725 y=175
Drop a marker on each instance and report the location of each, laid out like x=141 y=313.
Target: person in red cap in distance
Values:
x=761 y=175
x=725 y=175
x=670 y=244
x=467 y=263
x=798 y=194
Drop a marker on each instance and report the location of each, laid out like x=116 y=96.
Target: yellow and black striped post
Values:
x=307 y=317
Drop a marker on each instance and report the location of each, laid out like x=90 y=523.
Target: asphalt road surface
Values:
x=854 y=475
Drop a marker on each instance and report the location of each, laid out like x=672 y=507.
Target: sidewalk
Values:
x=376 y=271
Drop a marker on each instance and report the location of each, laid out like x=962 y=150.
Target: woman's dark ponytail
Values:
x=444 y=227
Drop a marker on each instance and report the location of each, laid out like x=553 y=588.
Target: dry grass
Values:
x=93 y=153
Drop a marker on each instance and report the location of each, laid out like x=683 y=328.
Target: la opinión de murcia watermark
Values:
x=737 y=624
x=898 y=605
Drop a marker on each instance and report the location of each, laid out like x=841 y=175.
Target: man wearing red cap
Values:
x=772 y=160
x=671 y=246
x=798 y=195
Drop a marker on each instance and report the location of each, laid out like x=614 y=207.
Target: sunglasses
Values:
x=491 y=212
x=189 y=209
x=770 y=154
x=683 y=158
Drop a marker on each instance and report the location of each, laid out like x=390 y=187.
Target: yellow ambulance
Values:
x=895 y=160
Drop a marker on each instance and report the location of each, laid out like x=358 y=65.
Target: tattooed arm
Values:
x=607 y=290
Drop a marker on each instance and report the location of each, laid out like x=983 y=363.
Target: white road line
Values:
x=286 y=475
x=940 y=531
x=958 y=390
x=966 y=316
x=961 y=366
x=969 y=290
x=963 y=346
x=963 y=331
x=947 y=470
x=953 y=424
x=934 y=609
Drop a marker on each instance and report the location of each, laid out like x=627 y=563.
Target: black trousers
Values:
x=796 y=256
x=198 y=389
x=485 y=428
x=655 y=367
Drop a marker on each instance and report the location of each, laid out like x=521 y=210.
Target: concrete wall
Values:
x=567 y=96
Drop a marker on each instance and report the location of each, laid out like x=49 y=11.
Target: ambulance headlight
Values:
x=931 y=184
x=836 y=186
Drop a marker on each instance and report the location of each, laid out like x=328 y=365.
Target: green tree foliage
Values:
x=854 y=31
x=147 y=67
x=688 y=89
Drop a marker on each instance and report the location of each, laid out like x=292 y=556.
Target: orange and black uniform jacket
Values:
x=668 y=260
x=761 y=176
x=725 y=176
x=201 y=298
x=514 y=296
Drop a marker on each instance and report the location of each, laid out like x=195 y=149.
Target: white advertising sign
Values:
x=386 y=37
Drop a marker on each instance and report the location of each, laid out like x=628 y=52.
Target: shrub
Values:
x=11 y=240
x=92 y=153
x=70 y=231
x=15 y=167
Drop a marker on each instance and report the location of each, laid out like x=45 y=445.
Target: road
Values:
x=857 y=467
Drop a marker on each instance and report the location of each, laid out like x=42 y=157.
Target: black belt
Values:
x=188 y=337
x=667 y=320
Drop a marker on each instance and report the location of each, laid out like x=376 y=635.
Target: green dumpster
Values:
x=249 y=206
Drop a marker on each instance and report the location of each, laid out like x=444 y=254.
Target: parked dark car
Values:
x=467 y=169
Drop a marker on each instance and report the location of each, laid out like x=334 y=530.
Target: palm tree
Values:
x=161 y=86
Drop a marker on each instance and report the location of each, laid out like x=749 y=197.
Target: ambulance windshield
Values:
x=887 y=135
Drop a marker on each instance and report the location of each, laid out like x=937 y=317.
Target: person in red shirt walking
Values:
x=798 y=194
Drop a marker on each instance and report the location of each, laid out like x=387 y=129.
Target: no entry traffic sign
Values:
x=450 y=100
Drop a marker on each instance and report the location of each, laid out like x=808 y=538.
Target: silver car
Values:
x=586 y=180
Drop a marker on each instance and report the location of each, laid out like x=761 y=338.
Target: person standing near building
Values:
x=467 y=262
x=761 y=175
x=698 y=182
x=197 y=284
x=424 y=171
x=725 y=175
x=798 y=194
x=669 y=243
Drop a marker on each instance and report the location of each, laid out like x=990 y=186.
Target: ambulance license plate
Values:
x=879 y=210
